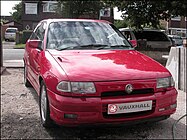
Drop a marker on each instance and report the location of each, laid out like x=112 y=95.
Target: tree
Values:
x=18 y=12
x=75 y=9
x=121 y=23
x=147 y=13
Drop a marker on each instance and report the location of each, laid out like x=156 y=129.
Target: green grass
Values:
x=19 y=46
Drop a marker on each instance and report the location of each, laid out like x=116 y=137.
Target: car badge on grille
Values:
x=128 y=88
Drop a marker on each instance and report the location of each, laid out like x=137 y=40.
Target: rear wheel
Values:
x=44 y=107
x=26 y=81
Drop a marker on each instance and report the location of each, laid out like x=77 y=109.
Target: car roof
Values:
x=144 y=29
x=125 y=29
x=86 y=20
x=11 y=28
x=174 y=36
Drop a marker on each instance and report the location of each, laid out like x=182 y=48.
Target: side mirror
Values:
x=133 y=42
x=35 y=44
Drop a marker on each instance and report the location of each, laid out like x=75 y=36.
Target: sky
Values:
x=6 y=8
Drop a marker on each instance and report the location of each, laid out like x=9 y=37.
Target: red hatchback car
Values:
x=86 y=72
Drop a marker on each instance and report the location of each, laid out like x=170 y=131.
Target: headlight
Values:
x=64 y=86
x=165 y=82
x=76 y=87
x=83 y=87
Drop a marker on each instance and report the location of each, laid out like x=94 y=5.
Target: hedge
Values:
x=26 y=35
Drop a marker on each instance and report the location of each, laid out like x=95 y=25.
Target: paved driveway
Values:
x=20 y=118
x=12 y=57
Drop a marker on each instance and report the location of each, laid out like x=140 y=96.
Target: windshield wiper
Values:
x=97 y=46
x=84 y=47
x=69 y=47
x=104 y=47
x=114 y=46
x=94 y=45
x=120 y=46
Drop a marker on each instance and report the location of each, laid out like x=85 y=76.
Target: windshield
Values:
x=11 y=30
x=85 y=35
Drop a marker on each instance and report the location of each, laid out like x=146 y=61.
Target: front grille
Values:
x=127 y=115
x=123 y=93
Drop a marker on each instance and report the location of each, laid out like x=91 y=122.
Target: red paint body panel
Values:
x=133 y=42
x=108 y=65
x=90 y=110
x=109 y=70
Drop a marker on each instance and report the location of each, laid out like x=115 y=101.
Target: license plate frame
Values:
x=129 y=107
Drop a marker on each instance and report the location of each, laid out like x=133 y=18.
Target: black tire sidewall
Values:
x=25 y=77
x=26 y=81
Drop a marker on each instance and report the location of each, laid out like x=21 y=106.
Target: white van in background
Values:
x=10 y=34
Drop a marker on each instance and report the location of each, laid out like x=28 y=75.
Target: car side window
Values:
x=127 y=35
x=151 y=36
x=40 y=32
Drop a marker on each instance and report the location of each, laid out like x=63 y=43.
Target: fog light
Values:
x=161 y=109
x=70 y=116
x=173 y=106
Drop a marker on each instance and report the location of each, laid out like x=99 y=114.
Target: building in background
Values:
x=35 y=11
x=8 y=24
x=177 y=26
x=6 y=18
x=107 y=14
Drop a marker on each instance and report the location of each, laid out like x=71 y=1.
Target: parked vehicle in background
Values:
x=155 y=39
x=87 y=73
x=172 y=42
x=129 y=35
x=177 y=40
x=10 y=34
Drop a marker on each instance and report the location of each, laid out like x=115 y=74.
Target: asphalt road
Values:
x=8 y=45
x=13 y=54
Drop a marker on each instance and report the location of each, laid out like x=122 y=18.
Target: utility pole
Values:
x=1 y=50
x=1 y=53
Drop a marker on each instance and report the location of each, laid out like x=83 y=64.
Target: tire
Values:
x=46 y=120
x=26 y=81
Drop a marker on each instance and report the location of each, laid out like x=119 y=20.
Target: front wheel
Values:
x=44 y=107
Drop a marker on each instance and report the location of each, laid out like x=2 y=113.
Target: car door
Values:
x=35 y=53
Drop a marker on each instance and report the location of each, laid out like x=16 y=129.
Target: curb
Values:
x=15 y=67
x=13 y=64
x=2 y=70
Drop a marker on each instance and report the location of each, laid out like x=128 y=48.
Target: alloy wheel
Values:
x=43 y=104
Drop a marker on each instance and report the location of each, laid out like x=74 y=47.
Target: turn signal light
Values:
x=168 y=107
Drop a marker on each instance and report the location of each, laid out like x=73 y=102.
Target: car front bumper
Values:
x=93 y=110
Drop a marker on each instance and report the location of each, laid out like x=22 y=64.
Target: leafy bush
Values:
x=120 y=23
x=26 y=35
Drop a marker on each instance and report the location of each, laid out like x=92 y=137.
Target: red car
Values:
x=86 y=73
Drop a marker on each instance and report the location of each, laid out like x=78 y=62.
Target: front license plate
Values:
x=129 y=107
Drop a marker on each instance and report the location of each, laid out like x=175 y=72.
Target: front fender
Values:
x=51 y=73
